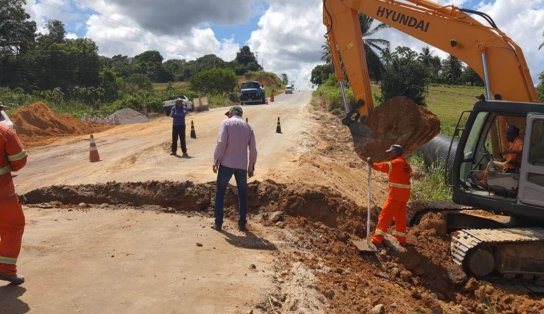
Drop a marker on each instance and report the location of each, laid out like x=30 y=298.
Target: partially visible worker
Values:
x=12 y=220
x=178 y=113
x=512 y=154
x=394 y=207
x=235 y=142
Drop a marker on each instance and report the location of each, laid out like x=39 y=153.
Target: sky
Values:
x=285 y=35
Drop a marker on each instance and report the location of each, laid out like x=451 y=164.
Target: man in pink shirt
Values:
x=235 y=139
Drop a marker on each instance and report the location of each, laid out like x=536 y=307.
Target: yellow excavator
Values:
x=482 y=244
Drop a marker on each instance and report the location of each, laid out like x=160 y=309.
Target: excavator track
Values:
x=509 y=251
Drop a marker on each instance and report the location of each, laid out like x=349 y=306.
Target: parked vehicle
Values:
x=289 y=89
x=171 y=102
x=4 y=119
x=252 y=92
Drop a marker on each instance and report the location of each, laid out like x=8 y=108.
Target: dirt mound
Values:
x=37 y=124
x=127 y=116
x=397 y=121
x=315 y=204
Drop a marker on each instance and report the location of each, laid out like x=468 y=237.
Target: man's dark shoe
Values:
x=217 y=227
x=173 y=154
x=14 y=279
x=185 y=155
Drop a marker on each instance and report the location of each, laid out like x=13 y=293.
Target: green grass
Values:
x=447 y=102
x=431 y=185
x=165 y=86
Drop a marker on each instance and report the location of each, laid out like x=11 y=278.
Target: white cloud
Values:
x=289 y=39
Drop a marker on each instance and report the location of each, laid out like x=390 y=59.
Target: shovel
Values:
x=364 y=245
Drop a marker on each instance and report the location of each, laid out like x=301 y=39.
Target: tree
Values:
x=17 y=32
x=245 y=61
x=149 y=63
x=471 y=77
x=540 y=87
x=284 y=79
x=214 y=81
x=371 y=45
x=433 y=63
x=542 y=44
x=452 y=69
x=404 y=75
x=375 y=66
x=320 y=74
x=56 y=31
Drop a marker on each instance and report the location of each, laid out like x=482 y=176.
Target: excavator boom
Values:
x=486 y=49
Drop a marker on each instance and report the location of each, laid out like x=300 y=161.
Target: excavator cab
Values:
x=477 y=182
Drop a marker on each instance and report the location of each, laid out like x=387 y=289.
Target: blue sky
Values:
x=287 y=34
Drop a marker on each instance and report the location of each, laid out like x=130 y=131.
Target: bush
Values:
x=214 y=81
x=432 y=185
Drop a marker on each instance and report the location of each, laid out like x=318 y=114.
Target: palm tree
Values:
x=374 y=63
x=432 y=63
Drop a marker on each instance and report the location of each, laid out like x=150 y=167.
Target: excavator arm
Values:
x=493 y=55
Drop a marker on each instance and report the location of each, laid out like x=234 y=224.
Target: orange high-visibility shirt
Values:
x=12 y=158
x=400 y=174
x=513 y=158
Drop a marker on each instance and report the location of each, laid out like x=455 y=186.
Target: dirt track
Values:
x=306 y=203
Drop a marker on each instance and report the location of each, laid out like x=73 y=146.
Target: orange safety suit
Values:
x=12 y=220
x=394 y=206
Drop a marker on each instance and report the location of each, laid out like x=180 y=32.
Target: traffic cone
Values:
x=278 y=126
x=272 y=96
x=93 y=151
x=193 y=133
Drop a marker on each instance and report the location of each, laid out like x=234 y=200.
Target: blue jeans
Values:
x=223 y=177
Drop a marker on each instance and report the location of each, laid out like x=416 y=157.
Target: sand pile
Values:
x=127 y=116
x=37 y=124
x=397 y=121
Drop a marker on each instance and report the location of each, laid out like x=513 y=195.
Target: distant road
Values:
x=140 y=152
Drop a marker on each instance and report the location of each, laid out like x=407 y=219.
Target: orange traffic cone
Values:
x=93 y=151
x=278 y=126
x=272 y=96
x=193 y=132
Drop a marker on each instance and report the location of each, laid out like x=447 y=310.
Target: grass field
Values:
x=163 y=86
x=448 y=101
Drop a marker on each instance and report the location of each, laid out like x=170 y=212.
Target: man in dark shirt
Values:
x=178 y=113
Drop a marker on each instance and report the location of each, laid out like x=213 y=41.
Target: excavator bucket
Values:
x=397 y=121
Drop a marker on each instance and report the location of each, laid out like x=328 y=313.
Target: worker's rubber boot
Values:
x=14 y=279
x=377 y=239
x=402 y=240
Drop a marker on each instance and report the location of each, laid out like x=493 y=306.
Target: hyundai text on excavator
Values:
x=482 y=245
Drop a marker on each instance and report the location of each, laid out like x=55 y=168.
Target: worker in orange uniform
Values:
x=394 y=206
x=12 y=220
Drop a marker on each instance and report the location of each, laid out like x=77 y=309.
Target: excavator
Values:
x=507 y=237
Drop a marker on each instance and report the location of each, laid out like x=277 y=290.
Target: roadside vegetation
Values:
x=70 y=76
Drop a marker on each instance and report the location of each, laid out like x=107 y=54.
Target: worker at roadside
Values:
x=512 y=154
x=235 y=140
x=178 y=113
x=394 y=206
x=12 y=220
